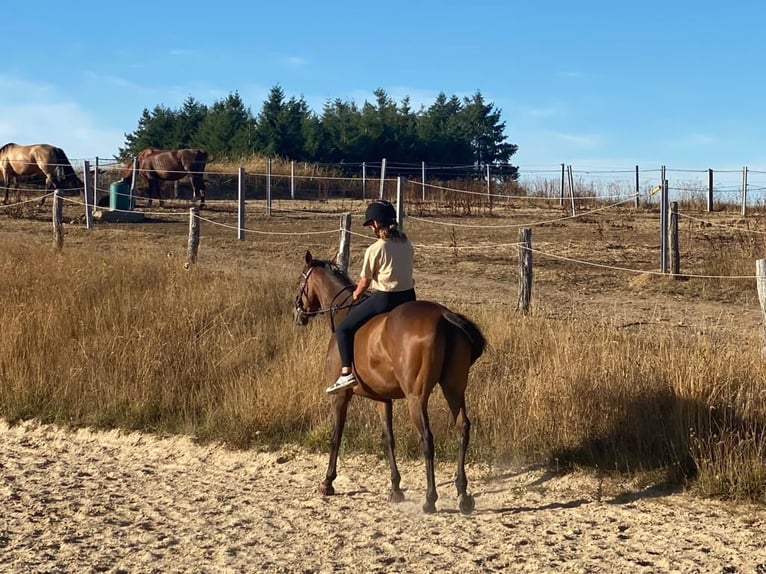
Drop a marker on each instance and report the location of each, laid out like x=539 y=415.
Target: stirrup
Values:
x=342 y=383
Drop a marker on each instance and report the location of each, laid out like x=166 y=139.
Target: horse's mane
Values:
x=6 y=147
x=335 y=269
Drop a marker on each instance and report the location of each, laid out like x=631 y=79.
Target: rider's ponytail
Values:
x=391 y=232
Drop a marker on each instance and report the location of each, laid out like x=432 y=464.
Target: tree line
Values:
x=452 y=131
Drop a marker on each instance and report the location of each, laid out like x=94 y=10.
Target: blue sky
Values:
x=598 y=85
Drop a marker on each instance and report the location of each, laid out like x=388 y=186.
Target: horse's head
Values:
x=72 y=184
x=324 y=290
x=307 y=301
x=64 y=176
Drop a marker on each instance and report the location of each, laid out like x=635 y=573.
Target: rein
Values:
x=331 y=309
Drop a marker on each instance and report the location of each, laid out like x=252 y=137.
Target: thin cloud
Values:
x=539 y=112
x=572 y=75
x=117 y=81
x=578 y=140
x=14 y=88
x=37 y=113
x=64 y=124
x=696 y=139
x=296 y=61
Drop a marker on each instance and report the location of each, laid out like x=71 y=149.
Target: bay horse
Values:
x=402 y=354
x=159 y=165
x=38 y=160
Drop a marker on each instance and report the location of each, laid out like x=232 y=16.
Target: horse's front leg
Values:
x=418 y=407
x=340 y=402
x=198 y=189
x=385 y=411
x=50 y=187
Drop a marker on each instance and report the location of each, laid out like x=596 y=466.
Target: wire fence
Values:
x=434 y=203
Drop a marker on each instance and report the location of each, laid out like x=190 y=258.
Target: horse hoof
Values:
x=326 y=489
x=396 y=496
x=466 y=503
x=429 y=508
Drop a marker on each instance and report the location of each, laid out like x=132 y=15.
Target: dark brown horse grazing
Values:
x=402 y=354
x=38 y=160
x=160 y=165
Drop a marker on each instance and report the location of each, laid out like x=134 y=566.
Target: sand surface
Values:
x=86 y=501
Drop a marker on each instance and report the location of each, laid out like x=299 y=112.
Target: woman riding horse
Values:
x=387 y=269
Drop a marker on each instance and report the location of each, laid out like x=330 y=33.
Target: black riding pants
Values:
x=377 y=303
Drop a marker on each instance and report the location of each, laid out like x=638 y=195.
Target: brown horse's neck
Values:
x=334 y=290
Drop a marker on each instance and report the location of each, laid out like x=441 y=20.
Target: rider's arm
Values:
x=361 y=287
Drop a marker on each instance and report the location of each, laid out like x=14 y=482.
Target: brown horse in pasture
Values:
x=160 y=165
x=402 y=354
x=43 y=160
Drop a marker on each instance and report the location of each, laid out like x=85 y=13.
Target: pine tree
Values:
x=227 y=130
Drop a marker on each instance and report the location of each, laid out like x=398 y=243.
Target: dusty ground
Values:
x=94 y=501
x=111 y=502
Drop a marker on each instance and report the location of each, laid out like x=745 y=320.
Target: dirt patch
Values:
x=116 y=502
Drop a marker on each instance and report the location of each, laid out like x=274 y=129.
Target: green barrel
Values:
x=119 y=196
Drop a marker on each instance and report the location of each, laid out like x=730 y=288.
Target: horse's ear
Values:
x=334 y=257
x=309 y=258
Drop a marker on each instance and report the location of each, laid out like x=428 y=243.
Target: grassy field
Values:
x=616 y=369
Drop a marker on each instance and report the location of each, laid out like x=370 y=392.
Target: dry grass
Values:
x=612 y=370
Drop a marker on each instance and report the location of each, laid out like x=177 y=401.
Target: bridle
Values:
x=301 y=311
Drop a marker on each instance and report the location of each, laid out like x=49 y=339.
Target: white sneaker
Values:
x=342 y=383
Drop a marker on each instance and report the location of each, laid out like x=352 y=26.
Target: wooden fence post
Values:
x=675 y=255
x=95 y=183
x=525 y=270
x=638 y=191
x=489 y=186
x=58 y=219
x=241 y=204
x=364 y=180
x=400 y=202
x=133 y=184
x=709 y=190
x=344 y=248
x=292 y=180
x=664 y=225
x=760 y=276
x=86 y=192
x=571 y=191
x=193 y=245
x=744 y=191
x=382 y=177
x=561 y=191
x=268 y=187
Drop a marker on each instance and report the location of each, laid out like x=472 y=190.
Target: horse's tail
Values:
x=471 y=330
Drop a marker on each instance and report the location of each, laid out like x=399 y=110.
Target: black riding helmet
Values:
x=381 y=211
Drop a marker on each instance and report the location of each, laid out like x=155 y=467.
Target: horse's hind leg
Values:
x=418 y=407
x=453 y=385
x=456 y=402
x=385 y=411
x=340 y=402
